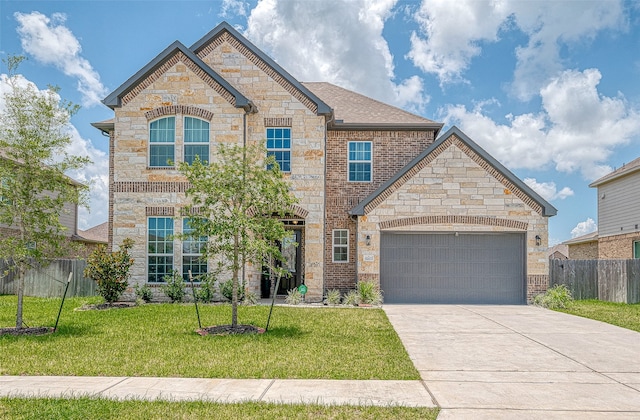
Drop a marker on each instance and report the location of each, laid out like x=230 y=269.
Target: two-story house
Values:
x=618 y=235
x=383 y=195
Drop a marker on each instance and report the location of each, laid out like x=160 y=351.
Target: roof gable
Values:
x=455 y=136
x=155 y=68
x=226 y=33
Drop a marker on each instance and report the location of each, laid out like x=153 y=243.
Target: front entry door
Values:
x=290 y=249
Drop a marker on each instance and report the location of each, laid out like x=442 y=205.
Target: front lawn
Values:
x=93 y=408
x=620 y=314
x=160 y=340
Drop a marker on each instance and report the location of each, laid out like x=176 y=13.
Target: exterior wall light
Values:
x=367 y=240
x=538 y=240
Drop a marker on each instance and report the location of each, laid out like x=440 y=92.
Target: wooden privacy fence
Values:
x=50 y=281
x=607 y=280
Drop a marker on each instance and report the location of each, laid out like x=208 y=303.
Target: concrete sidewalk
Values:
x=503 y=362
x=290 y=391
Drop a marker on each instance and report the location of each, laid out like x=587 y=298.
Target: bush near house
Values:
x=110 y=270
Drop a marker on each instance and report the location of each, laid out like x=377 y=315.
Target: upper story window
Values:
x=359 y=161
x=279 y=146
x=159 y=248
x=192 y=249
x=162 y=138
x=196 y=140
x=340 y=245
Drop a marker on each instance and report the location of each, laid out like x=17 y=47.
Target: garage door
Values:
x=444 y=268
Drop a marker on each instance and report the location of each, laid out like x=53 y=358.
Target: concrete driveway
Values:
x=501 y=362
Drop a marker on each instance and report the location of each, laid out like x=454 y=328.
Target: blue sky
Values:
x=549 y=88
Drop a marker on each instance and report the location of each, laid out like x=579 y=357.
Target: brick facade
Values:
x=391 y=151
x=584 y=251
x=616 y=247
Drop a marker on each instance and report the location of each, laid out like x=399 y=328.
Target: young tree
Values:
x=33 y=162
x=237 y=201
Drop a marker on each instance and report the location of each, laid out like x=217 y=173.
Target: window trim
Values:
x=186 y=143
x=334 y=246
x=160 y=143
x=349 y=161
x=273 y=150
x=156 y=254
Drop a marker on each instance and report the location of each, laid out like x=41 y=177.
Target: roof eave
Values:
x=339 y=126
x=605 y=180
x=105 y=128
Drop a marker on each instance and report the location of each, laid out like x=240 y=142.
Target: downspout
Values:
x=248 y=109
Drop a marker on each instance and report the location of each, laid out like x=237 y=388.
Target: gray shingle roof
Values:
x=625 y=169
x=353 y=108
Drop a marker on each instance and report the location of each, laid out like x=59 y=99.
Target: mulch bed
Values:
x=230 y=330
x=26 y=331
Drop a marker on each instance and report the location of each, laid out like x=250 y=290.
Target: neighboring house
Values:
x=619 y=212
x=69 y=220
x=93 y=237
x=583 y=247
x=383 y=195
x=558 y=252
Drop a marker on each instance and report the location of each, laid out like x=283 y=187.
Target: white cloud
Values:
x=576 y=129
x=453 y=33
x=95 y=174
x=548 y=190
x=347 y=48
x=235 y=7
x=52 y=43
x=583 y=228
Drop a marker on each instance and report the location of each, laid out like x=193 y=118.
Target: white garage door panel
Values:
x=444 y=268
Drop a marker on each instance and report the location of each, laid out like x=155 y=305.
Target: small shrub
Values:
x=174 y=286
x=226 y=290
x=369 y=293
x=144 y=293
x=250 y=298
x=556 y=297
x=207 y=289
x=333 y=297
x=294 y=297
x=110 y=270
x=351 y=298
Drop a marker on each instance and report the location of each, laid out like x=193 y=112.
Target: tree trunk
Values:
x=20 y=292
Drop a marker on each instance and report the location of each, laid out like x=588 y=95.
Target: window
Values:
x=191 y=252
x=160 y=248
x=162 y=142
x=196 y=140
x=636 y=249
x=279 y=146
x=360 y=161
x=340 y=245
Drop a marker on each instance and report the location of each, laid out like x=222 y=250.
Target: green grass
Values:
x=85 y=408
x=620 y=314
x=160 y=340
